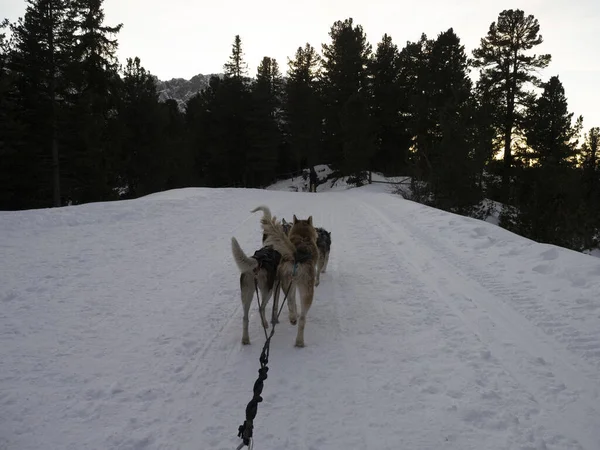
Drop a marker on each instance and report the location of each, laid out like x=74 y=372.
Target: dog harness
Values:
x=267 y=259
x=299 y=258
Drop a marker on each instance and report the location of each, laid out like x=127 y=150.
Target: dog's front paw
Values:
x=293 y=320
x=274 y=321
x=246 y=341
x=299 y=343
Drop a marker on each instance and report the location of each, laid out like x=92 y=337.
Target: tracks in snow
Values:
x=557 y=380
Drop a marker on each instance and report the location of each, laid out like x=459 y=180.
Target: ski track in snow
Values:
x=120 y=328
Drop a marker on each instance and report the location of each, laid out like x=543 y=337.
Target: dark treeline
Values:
x=76 y=126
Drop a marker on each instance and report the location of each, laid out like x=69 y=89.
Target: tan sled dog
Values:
x=297 y=268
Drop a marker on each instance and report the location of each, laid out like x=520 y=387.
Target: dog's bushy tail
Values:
x=244 y=263
x=266 y=211
x=276 y=237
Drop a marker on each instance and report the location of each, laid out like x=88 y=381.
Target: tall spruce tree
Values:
x=234 y=122
x=415 y=94
x=181 y=164
x=591 y=183
x=142 y=162
x=219 y=121
x=436 y=88
x=453 y=176
x=486 y=138
x=90 y=164
x=303 y=108
x=10 y=130
x=265 y=123
x=591 y=149
x=392 y=139
x=549 y=201
x=204 y=127
x=358 y=144
x=549 y=129
x=236 y=67
x=507 y=70
x=346 y=87
x=44 y=40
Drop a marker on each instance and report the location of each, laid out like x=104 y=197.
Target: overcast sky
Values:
x=181 y=38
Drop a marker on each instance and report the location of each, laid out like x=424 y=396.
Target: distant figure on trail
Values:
x=313 y=180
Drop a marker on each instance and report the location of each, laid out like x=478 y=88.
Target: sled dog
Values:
x=262 y=267
x=297 y=268
x=324 y=246
x=286 y=226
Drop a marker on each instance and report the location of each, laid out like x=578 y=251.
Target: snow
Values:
x=120 y=328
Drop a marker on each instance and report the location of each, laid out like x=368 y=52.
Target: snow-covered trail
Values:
x=120 y=328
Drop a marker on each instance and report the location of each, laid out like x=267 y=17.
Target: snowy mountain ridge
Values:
x=180 y=89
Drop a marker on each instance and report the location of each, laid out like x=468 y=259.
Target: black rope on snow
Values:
x=245 y=430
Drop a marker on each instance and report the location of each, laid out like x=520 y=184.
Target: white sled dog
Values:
x=261 y=267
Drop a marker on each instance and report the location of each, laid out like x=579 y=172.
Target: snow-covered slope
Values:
x=120 y=328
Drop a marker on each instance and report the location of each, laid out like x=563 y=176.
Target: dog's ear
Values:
x=310 y=220
x=283 y=221
x=295 y=219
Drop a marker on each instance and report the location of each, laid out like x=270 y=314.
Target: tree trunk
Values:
x=508 y=126
x=507 y=159
x=55 y=156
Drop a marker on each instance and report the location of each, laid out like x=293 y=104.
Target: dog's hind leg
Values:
x=247 y=292
x=289 y=287
x=320 y=265
x=306 y=292
x=326 y=262
x=265 y=296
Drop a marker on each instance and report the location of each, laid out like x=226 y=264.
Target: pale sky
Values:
x=182 y=38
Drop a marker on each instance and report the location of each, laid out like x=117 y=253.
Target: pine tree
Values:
x=206 y=132
x=219 y=121
x=392 y=139
x=590 y=153
x=436 y=88
x=265 y=123
x=345 y=74
x=10 y=131
x=549 y=196
x=591 y=149
x=180 y=167
x=94 y=71
x=303 y=115
x=44 y=40
x=142 y=167
x=237 y=67
x=359 y=140
x=506 y=72
x=486 y=140
x=549 y=128
x=415 y=94
x=234 y=109
x=453 y=172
